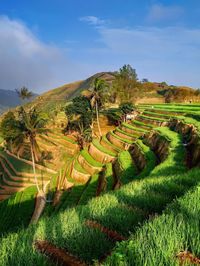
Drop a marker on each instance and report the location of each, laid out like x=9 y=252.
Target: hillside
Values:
x=146 y=92
x=147 y=183
x=58 y=96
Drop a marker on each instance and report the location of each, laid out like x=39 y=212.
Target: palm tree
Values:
x=31 y=124
x=84 y=136
x=24 y=93
x=97 y=98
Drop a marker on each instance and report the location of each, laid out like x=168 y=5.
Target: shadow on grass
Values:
x=16 y=211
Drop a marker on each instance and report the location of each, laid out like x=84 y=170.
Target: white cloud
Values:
x=26 y=60
x=159 y=12
x=92 y=20
x=169 y=53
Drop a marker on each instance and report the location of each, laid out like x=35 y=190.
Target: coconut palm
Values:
x=24 y=93
x=97 y=98
x=31 y=124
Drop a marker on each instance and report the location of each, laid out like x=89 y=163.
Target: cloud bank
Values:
x=25 y=60
x=169 y=54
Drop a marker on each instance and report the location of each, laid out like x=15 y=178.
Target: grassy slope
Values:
x=67 y=229
x=57 y=97
x=78 y=218
x=16 y=211
x=159 y=241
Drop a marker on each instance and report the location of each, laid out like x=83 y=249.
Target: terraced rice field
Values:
x=146 y=177
x=17 y=183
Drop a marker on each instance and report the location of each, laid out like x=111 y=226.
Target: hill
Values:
x=147 y=92
x=55 y=98
x=128 y=198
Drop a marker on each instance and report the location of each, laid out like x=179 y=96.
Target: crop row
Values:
x=128 y=206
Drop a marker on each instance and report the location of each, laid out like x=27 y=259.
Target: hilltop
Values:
x=148 y=92
x=58 y=96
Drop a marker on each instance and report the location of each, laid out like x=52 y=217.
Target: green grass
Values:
x=90 y=159
x=126 y=133
x=18 y=165
x=156 y=113
x=141 y=130
x=23 y=167
x=150 y=158
x=60 y=136
x=79 y=168
x=125 y=168
x=109 y=177
x=121 y=139
x=90 y=190
x=71 y=198
x=185 y=109
x=17 y=210
x=153 y=118
x=112 y=146
x=122 y=210
x=139 y=123
x=159 y=241
x=96 y=143
x=125 y=210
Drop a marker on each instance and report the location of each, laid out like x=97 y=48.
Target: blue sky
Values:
x=44 y=44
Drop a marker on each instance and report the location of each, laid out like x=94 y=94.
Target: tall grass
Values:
x=160 y=240
x=122 y=210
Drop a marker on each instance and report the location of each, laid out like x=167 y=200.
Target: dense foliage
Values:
x=79 y=113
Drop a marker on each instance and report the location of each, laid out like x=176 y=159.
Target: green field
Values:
x=140 y=208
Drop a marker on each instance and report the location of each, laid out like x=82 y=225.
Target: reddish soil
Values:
x=57 y=255
x=113 y=235
x=187 y=257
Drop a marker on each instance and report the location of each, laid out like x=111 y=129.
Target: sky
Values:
x=48 y=43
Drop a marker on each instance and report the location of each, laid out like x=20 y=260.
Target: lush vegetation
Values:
x=175 y=231
x=17 y=210
x=133 y=185
x=128 y=206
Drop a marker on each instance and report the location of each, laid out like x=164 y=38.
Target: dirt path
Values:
x=187 y=257
x=113 y=235
x=57 y=255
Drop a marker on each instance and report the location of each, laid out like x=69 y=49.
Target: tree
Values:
x=98 y=98
x=145 y=80
x=126 y=108
x=85 y=136
x=127 y=72
x=79 y=114
x=26 y=127
x=126 y=84
x=24 y=93
x=31 y=124
x=10 y=130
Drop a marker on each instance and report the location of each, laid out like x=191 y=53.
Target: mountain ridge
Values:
x=149 y=92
